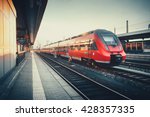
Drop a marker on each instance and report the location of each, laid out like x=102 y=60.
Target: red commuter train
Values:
x=98 y=46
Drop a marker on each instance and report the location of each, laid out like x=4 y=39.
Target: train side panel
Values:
x=93 y=46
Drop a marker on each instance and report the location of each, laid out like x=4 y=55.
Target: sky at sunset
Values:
x=67 y=18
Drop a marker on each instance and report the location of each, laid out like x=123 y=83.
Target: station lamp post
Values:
x=127 y=26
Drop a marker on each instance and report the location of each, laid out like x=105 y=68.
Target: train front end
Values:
x=110 y=48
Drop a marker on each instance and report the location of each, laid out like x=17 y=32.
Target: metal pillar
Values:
x=127 y=26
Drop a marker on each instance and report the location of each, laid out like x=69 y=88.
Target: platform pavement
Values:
x=37 y=81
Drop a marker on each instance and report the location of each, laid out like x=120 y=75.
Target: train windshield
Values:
x=110 y=39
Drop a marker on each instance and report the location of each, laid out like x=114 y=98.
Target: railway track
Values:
x=138 y=58
x=85 y=86
x=128 y=73
x=136 y=66
x=129 y=70
x=132 y=71
x=140 y=61
x=131 y=74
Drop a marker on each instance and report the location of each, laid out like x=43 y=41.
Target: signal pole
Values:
x=127 y=27
x=114 y=30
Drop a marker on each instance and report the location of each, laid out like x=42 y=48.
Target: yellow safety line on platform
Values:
x=38 y=91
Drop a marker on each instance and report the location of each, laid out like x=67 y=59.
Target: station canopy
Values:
x=135 y=35
x=29 y=16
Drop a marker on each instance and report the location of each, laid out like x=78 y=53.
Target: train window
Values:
x=75 y=47
x=66 y=49
x=79 y=47
x=71 y=48
x=86 y=47
x=63 y=49
x=82 y=47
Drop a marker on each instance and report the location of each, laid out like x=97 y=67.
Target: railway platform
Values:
x=35 y=80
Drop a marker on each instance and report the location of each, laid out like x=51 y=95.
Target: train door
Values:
x=89 y=50
x=86 y=52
